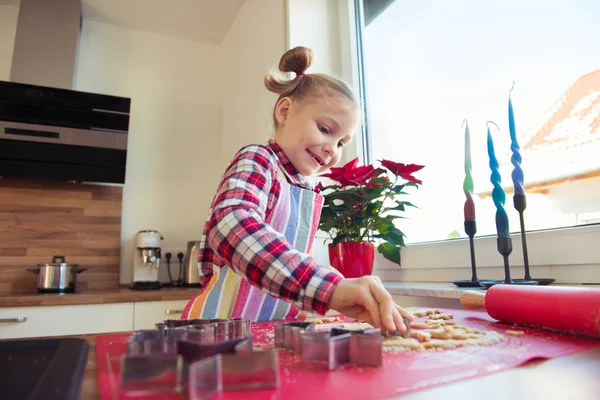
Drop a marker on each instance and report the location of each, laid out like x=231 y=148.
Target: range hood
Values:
x=46 y=42
x=48 y=130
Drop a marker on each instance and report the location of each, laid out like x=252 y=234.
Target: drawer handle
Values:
x=16 y=319
x=168 y=312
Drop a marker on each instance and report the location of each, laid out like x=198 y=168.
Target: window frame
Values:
x=570 y=254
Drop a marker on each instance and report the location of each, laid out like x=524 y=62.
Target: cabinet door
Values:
x=23 y=322
x=148 y=313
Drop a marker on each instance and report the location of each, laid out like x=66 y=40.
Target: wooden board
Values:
x=40 y=219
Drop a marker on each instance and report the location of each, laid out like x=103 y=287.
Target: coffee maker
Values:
x=146 y=260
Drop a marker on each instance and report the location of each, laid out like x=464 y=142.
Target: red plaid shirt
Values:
x=236 y=235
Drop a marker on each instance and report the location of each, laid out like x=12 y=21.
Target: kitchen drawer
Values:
x=148 y=313
x=21 y=322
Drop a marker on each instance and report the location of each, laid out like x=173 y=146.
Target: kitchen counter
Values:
x=572 y=376
x=117 y=295
x=425 y=289
x=442 y=290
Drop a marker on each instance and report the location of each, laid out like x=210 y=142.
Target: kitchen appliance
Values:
x=146 y=260
x=191 y=277
x=57 y=276
x=62 y=134
x=567 y=309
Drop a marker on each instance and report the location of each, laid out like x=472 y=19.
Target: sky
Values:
x=430 y=64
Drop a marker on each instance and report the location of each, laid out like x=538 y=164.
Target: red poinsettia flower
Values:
x=404 y=171
x=319 y=187
x=350 y=174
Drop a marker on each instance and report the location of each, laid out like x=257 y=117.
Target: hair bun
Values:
x=296 y=60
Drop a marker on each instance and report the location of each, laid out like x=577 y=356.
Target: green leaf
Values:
x=345 y=195
x=372 y=194
x=398 y=189
x=390 y=252
x=372 y=208
x=399 y=207
x=342 y=208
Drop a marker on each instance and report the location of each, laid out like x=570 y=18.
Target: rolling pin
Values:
x=564 y=309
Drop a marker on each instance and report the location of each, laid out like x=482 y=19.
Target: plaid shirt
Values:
x=236 y=235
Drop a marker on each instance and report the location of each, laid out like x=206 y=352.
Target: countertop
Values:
x=117 y=295
x=574 y=376
x=444 y=290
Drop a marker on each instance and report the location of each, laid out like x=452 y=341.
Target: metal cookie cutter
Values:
x=165 y=359
x=287 y=334
x=224 y=372
x=405 y=334
x=337 y=347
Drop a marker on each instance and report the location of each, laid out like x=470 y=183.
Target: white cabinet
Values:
x=22 y=322
x=148 y=313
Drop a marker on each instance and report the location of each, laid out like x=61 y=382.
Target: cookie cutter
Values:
x=225 y=372
x=287 y=334
x=165 y=359
x=216 y=330
x=338 y=346
x=405 y=334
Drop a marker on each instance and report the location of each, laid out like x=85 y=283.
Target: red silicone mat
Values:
x=401 y=373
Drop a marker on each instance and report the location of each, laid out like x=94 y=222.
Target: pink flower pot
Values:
x=352 y=259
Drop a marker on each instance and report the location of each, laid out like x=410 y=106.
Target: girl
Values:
x=254 y=261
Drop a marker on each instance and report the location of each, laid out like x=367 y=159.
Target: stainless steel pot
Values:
x=57 y=276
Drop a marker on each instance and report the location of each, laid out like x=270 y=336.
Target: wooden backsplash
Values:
x=40 y=219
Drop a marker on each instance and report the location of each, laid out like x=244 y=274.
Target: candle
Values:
x=468 y=182
x=516 y=159
x=498 y=194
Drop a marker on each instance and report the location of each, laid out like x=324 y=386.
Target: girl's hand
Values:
x=366 y=299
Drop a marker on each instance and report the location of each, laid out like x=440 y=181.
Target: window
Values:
x=430 y=64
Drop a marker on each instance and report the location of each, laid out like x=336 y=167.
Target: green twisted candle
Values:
x=468 y=182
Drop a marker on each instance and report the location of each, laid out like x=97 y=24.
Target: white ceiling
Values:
x=198 y=20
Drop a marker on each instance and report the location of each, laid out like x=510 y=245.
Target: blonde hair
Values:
x=297 y=60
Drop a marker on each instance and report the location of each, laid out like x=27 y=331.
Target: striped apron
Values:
x=228 y=295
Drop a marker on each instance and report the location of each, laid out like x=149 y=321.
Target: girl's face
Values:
x=313 y=132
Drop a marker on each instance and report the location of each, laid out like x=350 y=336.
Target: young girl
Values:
x=254 y=261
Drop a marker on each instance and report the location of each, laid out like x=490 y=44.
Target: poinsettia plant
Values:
x=365 y=202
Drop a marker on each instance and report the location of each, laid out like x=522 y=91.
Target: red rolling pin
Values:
x=566 y=309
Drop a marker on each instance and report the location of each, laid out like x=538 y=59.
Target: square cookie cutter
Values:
x=177 y=357
x=334 y=347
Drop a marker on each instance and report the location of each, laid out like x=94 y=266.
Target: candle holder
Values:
x=520 y=203
x=505 y=248
x=470 y=230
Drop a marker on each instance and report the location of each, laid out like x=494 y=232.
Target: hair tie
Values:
x=299 y=74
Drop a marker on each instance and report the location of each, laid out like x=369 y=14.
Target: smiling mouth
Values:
x=316 y=157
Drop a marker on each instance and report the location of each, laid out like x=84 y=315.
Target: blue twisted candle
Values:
x=498 y=194
x=516 y=159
